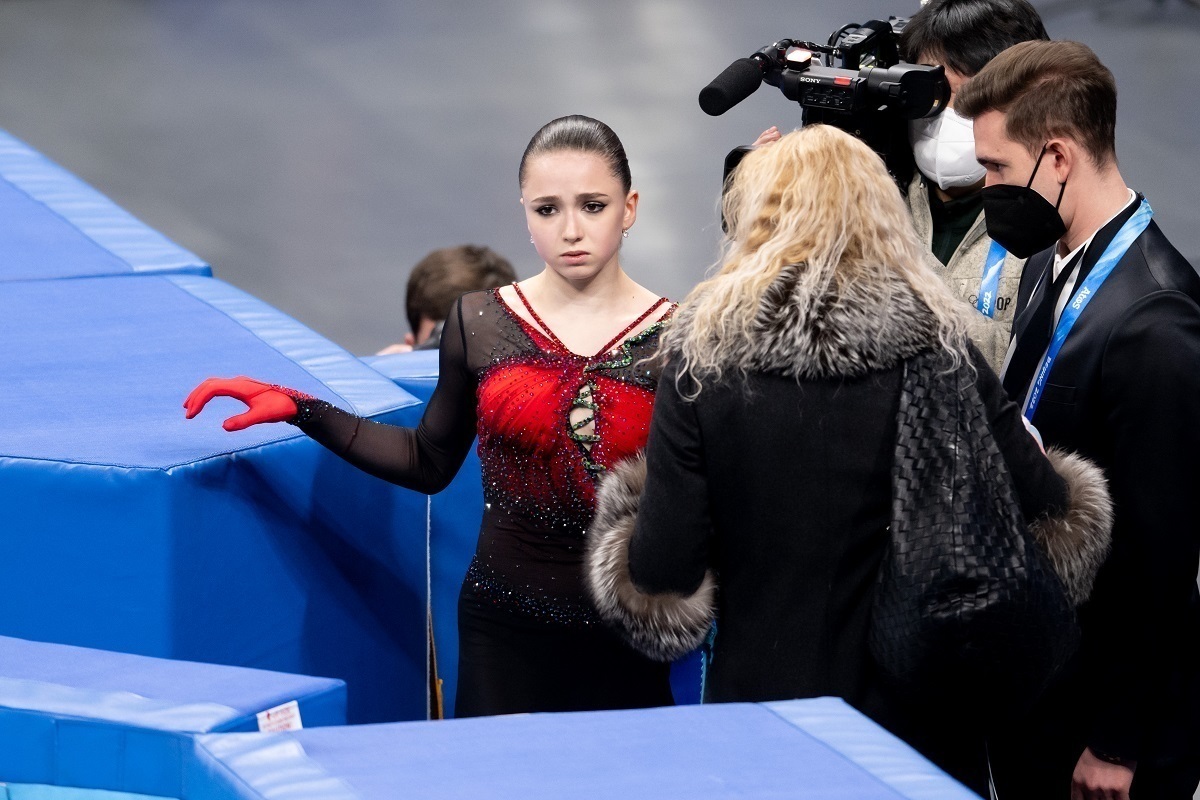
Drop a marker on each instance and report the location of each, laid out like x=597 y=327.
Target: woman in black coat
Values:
x=768 y=470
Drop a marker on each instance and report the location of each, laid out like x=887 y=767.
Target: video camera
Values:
x=856 y=82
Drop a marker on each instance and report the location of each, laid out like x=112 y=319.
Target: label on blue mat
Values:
x=284 y=717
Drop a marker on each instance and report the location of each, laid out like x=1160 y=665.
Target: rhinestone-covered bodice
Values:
x=541 y=461
x=535 y=462
x=549 y=422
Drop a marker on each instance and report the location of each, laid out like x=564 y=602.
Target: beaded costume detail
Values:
x=550 y=422
x=535 y=458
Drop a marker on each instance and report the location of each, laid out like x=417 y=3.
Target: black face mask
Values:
x=1020 y=219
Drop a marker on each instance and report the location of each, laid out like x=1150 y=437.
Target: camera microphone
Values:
x=735 y=84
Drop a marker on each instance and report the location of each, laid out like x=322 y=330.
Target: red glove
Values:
x=267 y=403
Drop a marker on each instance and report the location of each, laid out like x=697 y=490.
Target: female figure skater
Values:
x=549 y=374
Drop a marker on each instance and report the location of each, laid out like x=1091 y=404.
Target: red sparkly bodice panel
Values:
x=539 y=470
x=549 y=423
x=534 y=461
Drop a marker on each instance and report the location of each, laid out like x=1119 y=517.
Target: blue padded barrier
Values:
x=129 y=528
x=53 y=225
x=34 y=791
x=416 y=371
x=871 y=748
x=454 y=531
x=454 y=516
x=804 y=749
x=94 y=719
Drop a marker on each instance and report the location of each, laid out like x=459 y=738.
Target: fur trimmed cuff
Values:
x=1078 y=540
x=661 y=626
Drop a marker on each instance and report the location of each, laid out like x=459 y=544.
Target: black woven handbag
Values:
x=968 y=609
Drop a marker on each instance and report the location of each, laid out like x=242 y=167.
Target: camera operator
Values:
x=944 y=197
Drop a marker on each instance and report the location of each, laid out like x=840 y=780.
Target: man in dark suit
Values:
x=1105 y=361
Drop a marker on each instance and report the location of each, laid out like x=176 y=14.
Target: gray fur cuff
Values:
x=661 y=626
x=1078 y=540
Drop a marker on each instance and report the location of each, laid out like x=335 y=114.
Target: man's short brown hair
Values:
x=444 y=275
x=1048 y=89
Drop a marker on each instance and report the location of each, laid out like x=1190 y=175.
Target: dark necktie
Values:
x=1035 y=334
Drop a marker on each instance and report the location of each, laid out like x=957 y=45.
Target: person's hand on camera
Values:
x=768 y=136
x=267 y=403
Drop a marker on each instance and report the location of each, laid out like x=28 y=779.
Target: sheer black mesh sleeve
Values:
x=424 y=458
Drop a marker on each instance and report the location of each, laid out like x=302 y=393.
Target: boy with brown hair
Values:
x=437 y=281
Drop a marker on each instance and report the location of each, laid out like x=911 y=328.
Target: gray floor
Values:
x=312 y=150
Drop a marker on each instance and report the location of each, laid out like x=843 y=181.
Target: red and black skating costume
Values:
x=549 y=422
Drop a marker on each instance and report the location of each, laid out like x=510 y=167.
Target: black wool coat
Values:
x=774 y=484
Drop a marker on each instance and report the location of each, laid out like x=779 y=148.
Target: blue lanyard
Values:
x=985 y=301
x=1112 y=255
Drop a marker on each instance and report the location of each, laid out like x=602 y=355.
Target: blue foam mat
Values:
x=800 y=749
x=88 y=718
x=52 y=225
x=97 y=369
x=153 y=693
x=131 y=529
x=454 y=516
x=22 y=791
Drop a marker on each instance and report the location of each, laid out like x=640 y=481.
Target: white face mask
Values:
x=944 y=148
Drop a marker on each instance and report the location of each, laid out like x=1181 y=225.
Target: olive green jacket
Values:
x=965 y=271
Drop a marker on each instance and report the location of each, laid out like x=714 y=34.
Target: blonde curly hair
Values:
x=821 y=199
